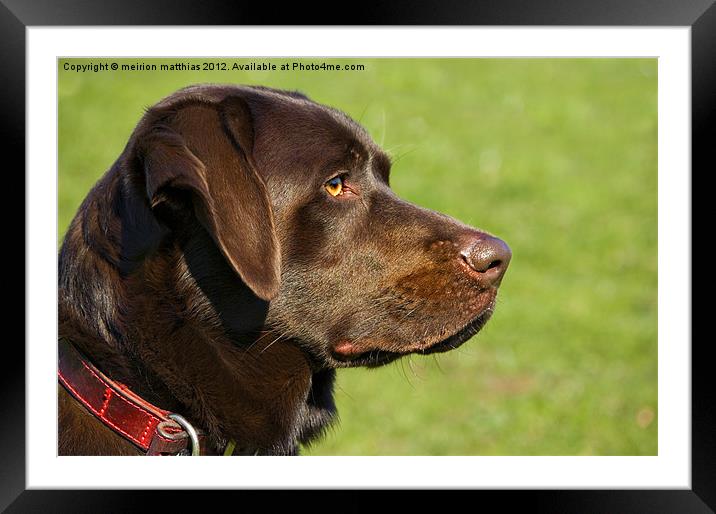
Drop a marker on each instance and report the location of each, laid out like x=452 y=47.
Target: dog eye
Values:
x=334 y=186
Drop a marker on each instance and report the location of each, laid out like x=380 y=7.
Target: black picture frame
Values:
x=17 y=15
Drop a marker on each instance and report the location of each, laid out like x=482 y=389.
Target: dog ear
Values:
x=206 y=150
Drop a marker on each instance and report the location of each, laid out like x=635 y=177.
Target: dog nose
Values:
x=488 y=256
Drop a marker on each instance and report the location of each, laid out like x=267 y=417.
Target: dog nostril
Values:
x=482 y=266
x=478 y=265
x=489 y=257
x=493 y=264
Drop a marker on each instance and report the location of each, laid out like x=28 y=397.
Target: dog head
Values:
x=292 y=200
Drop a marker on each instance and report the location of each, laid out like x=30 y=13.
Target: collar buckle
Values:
x=194 y=449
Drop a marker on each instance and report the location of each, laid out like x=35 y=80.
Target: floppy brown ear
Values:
x=205 y=149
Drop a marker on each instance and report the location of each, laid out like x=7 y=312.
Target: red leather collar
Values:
x=114 y=404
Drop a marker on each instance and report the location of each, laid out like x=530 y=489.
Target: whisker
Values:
x=360 y=118
x=283 y=334
x=437 y=364
x=260 y=338
x=397 y=157
x=407 y=378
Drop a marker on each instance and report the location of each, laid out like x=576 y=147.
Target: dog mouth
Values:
x=377 y=357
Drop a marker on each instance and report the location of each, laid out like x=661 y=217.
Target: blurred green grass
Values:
x=556 y=156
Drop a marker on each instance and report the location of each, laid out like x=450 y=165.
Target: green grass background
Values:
x=556 y=156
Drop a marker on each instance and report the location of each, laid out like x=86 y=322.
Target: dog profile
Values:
x=243 y=246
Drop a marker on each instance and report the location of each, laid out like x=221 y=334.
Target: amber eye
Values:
x=334 y=186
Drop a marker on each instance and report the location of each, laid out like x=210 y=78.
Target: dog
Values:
x=244 y=246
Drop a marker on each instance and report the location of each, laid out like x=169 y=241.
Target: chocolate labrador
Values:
x=244 y=245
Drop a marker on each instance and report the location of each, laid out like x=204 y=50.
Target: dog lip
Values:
x=348 y=354
x=346 y=349
x=455 y=340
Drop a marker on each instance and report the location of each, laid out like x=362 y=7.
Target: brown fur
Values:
x=211 y=272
